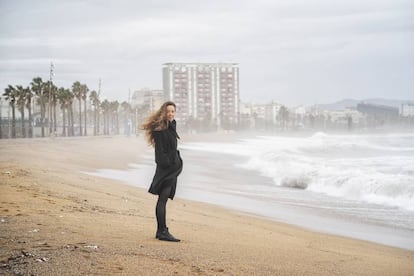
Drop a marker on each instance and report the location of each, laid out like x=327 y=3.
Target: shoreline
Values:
x=202 y=181
x=57 y=221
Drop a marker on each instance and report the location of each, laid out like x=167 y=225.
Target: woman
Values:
x=160 y=131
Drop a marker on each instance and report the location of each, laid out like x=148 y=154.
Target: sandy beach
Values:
x=56 y=220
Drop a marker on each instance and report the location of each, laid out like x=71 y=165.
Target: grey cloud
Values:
x=294 y=51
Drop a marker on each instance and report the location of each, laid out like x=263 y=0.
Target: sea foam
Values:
x=370 y=168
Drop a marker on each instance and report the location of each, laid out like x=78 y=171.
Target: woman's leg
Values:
x=160 y=212
x=160 y=209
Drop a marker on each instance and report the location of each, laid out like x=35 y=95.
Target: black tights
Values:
x=160 y=209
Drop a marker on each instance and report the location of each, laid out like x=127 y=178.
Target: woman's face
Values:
x=170 y=113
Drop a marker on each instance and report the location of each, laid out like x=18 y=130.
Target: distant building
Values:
x=258 y=111
x=379 y=114
x=150 y=98
x=203 y=91
x=271 y=112
x=343 y=117
x=252 y=115
x=407 y=110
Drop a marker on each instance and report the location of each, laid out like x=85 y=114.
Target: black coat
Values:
x=168 y=160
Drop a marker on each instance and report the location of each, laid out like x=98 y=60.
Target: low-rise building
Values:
x=407 y=110
x=152 y=99
x=378 y=115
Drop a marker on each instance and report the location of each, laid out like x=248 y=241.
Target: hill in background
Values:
x=352 y=103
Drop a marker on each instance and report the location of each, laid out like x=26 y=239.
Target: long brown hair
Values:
x=156 y=121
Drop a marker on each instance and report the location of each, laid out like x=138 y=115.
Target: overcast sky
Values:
x=290 y=51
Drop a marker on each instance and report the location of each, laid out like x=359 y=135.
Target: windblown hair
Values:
x=156 y=121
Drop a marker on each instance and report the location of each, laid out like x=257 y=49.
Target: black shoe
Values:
x=158 y=233
x=164 y=235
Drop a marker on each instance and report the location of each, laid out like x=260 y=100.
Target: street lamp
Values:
x=50 y=97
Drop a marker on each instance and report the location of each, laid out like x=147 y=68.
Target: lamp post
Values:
x=50 y=98
x=98 y=120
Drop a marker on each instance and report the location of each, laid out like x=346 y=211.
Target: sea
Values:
x=353 y=185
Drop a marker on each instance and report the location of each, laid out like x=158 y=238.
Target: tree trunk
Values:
x=30 y=121
x=98 y=121
x=117 y=123
x=80 y=117
x=13 y=130
x=106 y=122
x=50 y=116
x=86 y=125
x=94 y=122
x=22 y=118
x=63 y=121
x=69 y=120
x=54 y=116
x=72 y=121
x=71 y=124
x=42 y=116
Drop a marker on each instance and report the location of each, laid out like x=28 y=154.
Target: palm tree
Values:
x=21 y=103
x=84 y=91
x=93 y=96
x=29 y=97
x=53 y=102
x=71 y=121
x=77 y=92
x=10 y=94
x=126 y=112
x=106 y=112
x=62 y=100
x=38 y=86
x=50 y=99
x=65 y=98
x=115 y=115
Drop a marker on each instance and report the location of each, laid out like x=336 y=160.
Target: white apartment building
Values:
x=203 y=91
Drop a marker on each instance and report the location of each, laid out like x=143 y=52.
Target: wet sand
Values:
x=58 y=221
